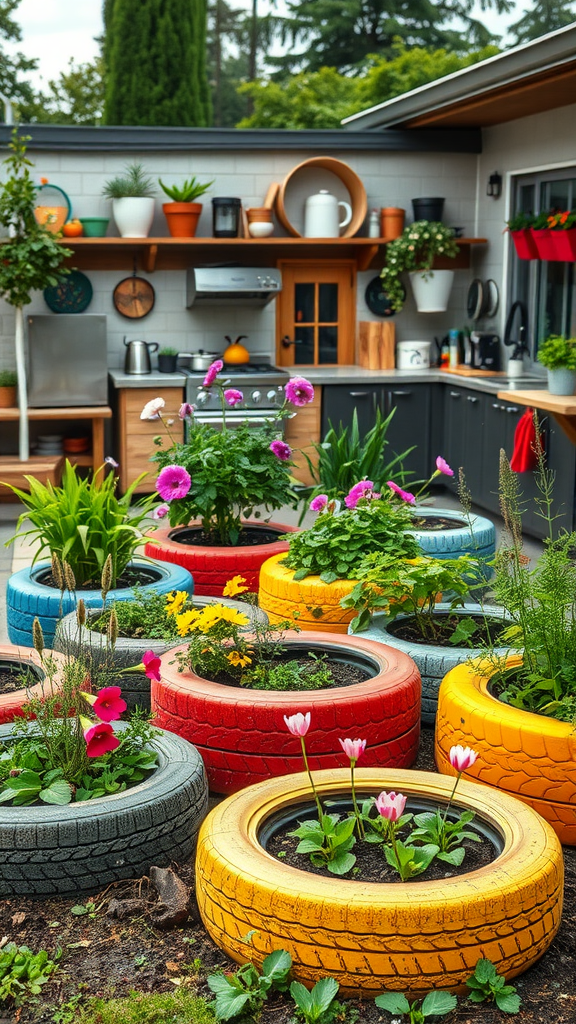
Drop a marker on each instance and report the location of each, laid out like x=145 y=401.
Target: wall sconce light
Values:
x=494 y=187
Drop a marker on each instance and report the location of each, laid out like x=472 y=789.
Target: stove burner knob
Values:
x=273 y=396
x=202 y=398
x=256 y=397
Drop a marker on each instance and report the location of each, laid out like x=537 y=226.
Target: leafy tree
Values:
x=542 y=17
x=75 y=97
x=12 y=68
x=321 y=99
x=155 y=58
x=238 y=41
x=342 y=33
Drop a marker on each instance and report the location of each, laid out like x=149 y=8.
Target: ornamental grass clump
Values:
x=415 y=250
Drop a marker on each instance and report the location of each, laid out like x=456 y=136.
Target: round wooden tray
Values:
x=133 y=297
x=349 y=179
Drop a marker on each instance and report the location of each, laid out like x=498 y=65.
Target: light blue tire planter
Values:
x=432 y=662
x=27 y=598
x=480 y=543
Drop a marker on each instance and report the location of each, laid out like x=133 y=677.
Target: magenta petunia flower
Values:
x=161 y=512
x=299 y=391
x=185 y=411
x=173 y=482
x=100 y=738
x=213 y=371
x=281 y=450
x=151 y=663
x=318 y=503
x=108 y=703
x=443 y=467
x=405 y=495
x=233 y=396
x=363 y=489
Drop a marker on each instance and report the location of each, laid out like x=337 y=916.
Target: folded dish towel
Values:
x=524 y=458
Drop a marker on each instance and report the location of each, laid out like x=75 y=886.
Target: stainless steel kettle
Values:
x=137 y=358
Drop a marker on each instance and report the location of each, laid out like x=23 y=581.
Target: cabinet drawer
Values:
x=135 y=399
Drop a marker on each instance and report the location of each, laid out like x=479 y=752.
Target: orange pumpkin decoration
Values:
x=72 y=229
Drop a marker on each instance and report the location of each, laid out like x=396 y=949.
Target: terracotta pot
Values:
x=524 y=244
x=8 y=397
x=182 y=218
x=391 y=222
x=544 y=244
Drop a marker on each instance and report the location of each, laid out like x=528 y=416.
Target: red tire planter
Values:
x=242 y=736
x=11 y=704
x=524 y=244
x=212 y=567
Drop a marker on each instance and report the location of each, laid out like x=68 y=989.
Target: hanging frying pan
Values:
x=475 y=299
x=133 y=297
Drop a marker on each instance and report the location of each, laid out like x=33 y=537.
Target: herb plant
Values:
x=435 y=1004
x=23 y=972
x=557 y=352
x=415 y=249
x=244 y=993
x=486 y=985
x=188 y=192
x=132 y=183
x=168 y=351
x=8 y=378
x=319 y=1005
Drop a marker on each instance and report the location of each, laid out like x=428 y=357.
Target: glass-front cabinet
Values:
x=316 y=313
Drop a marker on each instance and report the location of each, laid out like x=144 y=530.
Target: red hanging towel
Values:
x=524 y=457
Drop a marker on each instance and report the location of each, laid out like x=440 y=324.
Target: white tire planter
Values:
x=47 y=850
x=479 y=541
x=432 y=662
x=133 y=216
x=432 y=289
x=128 y=652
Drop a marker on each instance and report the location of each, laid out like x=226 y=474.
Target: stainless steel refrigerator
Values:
x=67 y=360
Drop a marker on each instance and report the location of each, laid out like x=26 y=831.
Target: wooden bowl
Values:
x=349 y=179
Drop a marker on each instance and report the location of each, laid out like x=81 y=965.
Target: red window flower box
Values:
x=524 y=244
x=565 y=244
x=544 y=241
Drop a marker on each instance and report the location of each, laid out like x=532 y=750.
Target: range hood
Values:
x=232 y=286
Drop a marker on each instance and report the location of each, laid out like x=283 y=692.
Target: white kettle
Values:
x=321 y=215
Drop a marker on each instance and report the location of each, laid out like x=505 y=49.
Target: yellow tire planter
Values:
x=530 y=756
x=402 y=936
x=310 y=604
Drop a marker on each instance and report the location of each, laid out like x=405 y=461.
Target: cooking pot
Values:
x=137 y=358
x=201 y=360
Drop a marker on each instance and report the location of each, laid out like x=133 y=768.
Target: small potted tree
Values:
x=132 y=195
x=558 y=355
x=183 y=213
x=415 y=251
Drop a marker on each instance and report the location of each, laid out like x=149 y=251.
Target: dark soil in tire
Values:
x=342 y=675
x=250 y=536
x=11 y=678
x=130 y=578
x=487 y=631
x=431 y=523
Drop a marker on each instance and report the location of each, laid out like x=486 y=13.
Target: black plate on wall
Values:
x=377 y=300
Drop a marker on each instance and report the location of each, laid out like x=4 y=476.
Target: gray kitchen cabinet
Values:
x=340 y=400
x=463 y=442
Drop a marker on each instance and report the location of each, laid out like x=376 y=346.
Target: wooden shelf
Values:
x=96 y=413
x=179 y=253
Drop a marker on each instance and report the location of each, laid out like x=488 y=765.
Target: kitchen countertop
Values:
x=146 y=380
x=358 y=375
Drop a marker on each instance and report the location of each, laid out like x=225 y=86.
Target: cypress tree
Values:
x=155 y=52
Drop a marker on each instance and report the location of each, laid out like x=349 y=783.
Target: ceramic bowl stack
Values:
x=49 y=444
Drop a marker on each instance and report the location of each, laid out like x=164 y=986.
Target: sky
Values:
x=56 y=30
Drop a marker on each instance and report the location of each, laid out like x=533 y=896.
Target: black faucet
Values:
x=521 y=342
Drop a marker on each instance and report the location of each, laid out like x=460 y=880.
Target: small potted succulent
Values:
x=8 y=382
x=183 y=213
x=132 y=195
x=558 y=355
x=167 y=359
x=519 y=227
x=415 y=251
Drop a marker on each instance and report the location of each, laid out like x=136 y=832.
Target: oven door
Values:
x=236 y=418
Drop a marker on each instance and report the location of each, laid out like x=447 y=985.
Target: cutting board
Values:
x=470 y=371
x=376 y=345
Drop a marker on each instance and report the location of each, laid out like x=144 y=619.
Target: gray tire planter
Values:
x=451 y=543
x=433 y=662
x=82 y=847
x=27 y=597
x=11 y=703
x=128 y=652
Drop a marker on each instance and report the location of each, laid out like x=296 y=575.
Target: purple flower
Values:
x=443 y=467
x=281 y=450
x=299 y=391
x=213 y=371
x=405 y=495
x=161 y=512
x=318 y=503
x=111 y=462
x=233 y=396
x=185 y=411
x=363 y=489
x=173 y=482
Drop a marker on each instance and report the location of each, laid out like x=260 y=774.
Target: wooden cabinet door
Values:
x=316 y=313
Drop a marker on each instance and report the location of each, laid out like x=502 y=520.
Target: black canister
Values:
x=225 y=217
x=428 y=209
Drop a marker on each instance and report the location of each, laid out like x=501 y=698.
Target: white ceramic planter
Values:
x=133 y=216
x=562 y=381
x=432 y=290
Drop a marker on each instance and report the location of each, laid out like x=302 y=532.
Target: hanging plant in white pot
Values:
x=132 y=195
x=415 y=251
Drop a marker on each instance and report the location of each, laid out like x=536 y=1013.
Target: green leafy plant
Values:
x=245 y=992
x=290 y=675
x=133 y=183
x=88 y=909
x=520 y=221
x=435 y=1004
x=409 y=860
x=83 y=523
x=319 y=1005
x=415 y=249
x=448 y=836
x=188 y=192
x=557 y=352
x=561 y=220
x=23 y=972
x=328 y=842
x=486 y=985
x=8 y=378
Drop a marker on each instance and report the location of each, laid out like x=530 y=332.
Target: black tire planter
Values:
x=47 y=850
x=28 y=598
x=128 y=652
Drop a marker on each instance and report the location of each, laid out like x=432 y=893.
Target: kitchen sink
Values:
x=523 y=382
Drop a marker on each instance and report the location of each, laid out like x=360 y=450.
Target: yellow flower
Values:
x=175 y=602
x=234 y=587
x=235 y=658
x=185 y=621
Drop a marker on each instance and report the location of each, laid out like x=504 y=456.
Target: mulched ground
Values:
x=110 y=957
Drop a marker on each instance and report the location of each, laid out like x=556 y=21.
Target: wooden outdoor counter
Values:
x=562 y=407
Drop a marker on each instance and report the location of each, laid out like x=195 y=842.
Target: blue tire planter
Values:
x=451 y=543
x=27 y=598
x=432 y=662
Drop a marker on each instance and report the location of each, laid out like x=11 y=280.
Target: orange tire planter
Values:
x=310 y=604
x=530 y=756
x=402 y=936
x=241 y=733
x=11 y=704
x=212 y=567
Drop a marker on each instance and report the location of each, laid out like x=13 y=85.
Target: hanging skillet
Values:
x=133 y=297
x=475 y=299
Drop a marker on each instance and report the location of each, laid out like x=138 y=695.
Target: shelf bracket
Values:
x=366 y=255
x=150 y=255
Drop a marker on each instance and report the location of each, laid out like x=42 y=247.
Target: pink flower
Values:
x=151 y=410
x=443 y=467
x=100 y=738
x=107 y=704
x=233 y=396
x=111 y=462
x=299 y=391
x=281 y=450
x=185 y=411
x=363 y=489
x=462 y=758
x=213 y=371
x=318 y=503
x=391 y=805
x=151 y=663
x=353 y=748
x=161 y=512
x=298 y=724
x=173 y=482
x=405 y=495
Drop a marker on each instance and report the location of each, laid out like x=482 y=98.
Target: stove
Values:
x=261 y=384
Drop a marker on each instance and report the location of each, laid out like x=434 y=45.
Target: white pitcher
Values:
x=321 y=215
